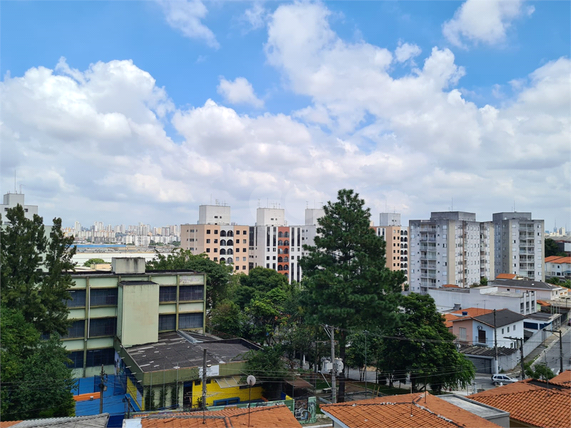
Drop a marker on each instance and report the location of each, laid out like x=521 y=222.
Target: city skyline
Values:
x=142 y=111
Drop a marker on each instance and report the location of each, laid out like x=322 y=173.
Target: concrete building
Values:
x=489 y=297
x=558 y=267
x=397 y=239
x=483 y=329
x=215 y=236
x=13 y=199
x=519 y=242
x=447 y=249
x=542 y=290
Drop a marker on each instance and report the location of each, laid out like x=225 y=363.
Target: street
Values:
x=551 y=357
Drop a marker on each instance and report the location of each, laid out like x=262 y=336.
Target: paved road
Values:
x=551 y=357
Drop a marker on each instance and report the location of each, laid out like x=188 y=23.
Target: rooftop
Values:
x=523 y=283
x=558 y=259
x=532 y=402
x=484 y=351
x=259 y=417
x=403 y=411
x=95 y=421
x=463 y=314
x=506 y=276
x=501 y=318
x=181 y=350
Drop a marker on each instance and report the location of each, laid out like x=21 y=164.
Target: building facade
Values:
x=396 y=237
x=519 y=242
x=13 y=199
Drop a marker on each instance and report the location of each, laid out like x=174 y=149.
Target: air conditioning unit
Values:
x=480 y=327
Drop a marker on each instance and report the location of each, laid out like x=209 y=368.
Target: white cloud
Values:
x=186 y=16
x=240 y=91
x=256 y=16
x=483 y=21
x=406 y=51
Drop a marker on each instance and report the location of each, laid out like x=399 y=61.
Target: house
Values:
x=533 y=403
x=95 y=421
x=543 y=290
x=259 y=417
x=468 y=312
x=420 y=410
x=558 y=267
x=483 y=329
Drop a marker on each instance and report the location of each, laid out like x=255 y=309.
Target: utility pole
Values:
x=560 y=349
x=496 y=343
x=102 y=388
x=204 y=380
x=366 y=390
x=333 y=364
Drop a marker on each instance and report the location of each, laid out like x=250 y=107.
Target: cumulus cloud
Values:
x=240 y=91
x=483 y=21
x=255 y=17
x=186 y=16
x=406 y=51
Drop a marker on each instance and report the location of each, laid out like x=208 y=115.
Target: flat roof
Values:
x=482 y=410
x=175 y=350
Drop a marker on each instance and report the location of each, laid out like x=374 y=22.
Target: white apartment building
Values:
x=447 y=249
x=519 y=242
x=13 y=199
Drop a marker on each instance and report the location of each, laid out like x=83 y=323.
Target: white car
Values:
x=502 y=378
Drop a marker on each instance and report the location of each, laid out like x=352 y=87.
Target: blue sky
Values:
x=495 y=63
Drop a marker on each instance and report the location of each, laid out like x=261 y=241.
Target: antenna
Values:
x=15 y=186
x=452 y=205
x=514 y=205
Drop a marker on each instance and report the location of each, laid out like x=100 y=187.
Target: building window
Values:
x=216 y=232
x=167 y=294
x=103 y=297
x=102 y=327
x=191 y=292
x=208 y=250
x=462 y=331
x=208 y=241
x=208 y=231
x=76 y=358
x=77 y=299
x=190 y=320
x=167 y=322
x=98 y=357
x=77 y=329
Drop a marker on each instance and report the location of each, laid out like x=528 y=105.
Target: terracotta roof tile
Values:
x=457 y=315
x=7 y=424
x=558 y=259
x=562 y=379
x=260 y=417
x=404 y=411
x=506 y=276
x=531 y=402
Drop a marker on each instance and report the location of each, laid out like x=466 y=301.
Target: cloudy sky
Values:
x=128 y=111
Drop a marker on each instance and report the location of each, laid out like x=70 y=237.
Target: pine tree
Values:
x=348 y=285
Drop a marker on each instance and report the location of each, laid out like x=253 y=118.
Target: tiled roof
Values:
x=260 y=417
x=532 y=402
x=7 y=424
x=420 y=410
x=558 y=259
x=506 y=276
x=470 y=312
x=93 y=421
x=503 y=317
x=562 y=379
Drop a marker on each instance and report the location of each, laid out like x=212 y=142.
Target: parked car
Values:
x=502 y=378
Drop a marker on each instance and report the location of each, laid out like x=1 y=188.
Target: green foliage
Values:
x=217 y=275
x=557 y=281
x=483 y=281
x=423 y=347
x=36 y=382
x=35 y=270
x=541 y=371
x=227 y=318
x=551 y=248
x=269 y=368
x=257 y=283
x=348 y=285
x=95 y=261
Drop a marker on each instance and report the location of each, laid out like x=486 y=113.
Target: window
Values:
x=77 y=329
x=243 y=241
x=102 y=327
x=502 y=331
x=190 y=320
x=167 y=294
x=77 y=299
x=216 y=232
x=208 y=231
x=508 y=329
x=208 y=250
x=76 y=358
x=191 y=292
x=167 y=322
x=216 y=250
x=208 y=241
x=98 y=357
x=103 y=297
x=462 y=333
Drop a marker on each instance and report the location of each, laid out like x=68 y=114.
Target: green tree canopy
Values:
x=35 y=270
x=551 y=248
x=268 y=367
x=347 y=283
x=217 y=274
x=541 y=371
x=422 y=347
x=94 y=261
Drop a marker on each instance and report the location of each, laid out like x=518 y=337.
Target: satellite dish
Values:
x=251 y=380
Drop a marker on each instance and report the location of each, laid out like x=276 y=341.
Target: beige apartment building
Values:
x=215 y=236
x=396 y=237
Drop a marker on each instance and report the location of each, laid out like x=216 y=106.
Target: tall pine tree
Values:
x=347 y=283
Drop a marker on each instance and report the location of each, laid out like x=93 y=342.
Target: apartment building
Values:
x=216 y=236
x=397 y=238
x=275 y=245
x=447 y=249
x=11 y=200
x=519 y=242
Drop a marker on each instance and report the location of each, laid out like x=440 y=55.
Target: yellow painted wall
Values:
x=214 y=393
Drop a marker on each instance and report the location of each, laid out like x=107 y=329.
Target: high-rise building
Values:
x=447 y=249
x=397 y=242
x=519 y=243
x=217 y=237
x=13 y=199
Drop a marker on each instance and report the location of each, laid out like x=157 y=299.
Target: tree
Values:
x=348 y=285
x=217 y=274
x=551 y=248
x=95 y=261
x=541 y=371
x=257 y=283
x=35 y=270
x=227 y=318
x=36 y=383
x=421 y=346
x=269 y=368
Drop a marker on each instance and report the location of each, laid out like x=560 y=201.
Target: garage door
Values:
x=483 y=365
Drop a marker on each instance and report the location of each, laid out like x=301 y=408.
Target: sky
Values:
x=140 y=111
